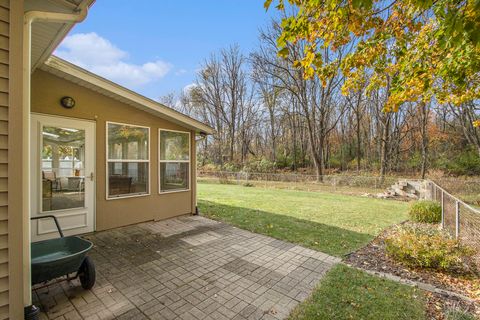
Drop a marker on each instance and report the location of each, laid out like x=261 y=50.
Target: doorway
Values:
x=63 y=175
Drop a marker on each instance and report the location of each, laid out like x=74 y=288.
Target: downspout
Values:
x=31 y=312
x=203 y=136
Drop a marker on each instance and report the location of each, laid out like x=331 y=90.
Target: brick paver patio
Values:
x=188 y=268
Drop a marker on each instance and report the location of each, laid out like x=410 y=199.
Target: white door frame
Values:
x=82 y=220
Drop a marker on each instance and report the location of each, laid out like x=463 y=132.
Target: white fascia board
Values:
x=56 y=65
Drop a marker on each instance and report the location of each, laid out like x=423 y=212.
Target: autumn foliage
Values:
x=428 y=247
x=418 y=50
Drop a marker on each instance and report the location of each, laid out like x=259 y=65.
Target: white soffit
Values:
x=46 y=36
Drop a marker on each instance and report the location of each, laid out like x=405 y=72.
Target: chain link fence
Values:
x=333 y=183
x=467 y=189
x=458 y=218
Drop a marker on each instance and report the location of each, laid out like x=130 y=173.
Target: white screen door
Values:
x=62 y=175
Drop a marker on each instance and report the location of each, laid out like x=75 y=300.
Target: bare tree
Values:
x=423 y=118
x=264 y=108
x=269 y=92
x=465 y=116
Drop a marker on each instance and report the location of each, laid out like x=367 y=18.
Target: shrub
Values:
x=426 y=211
x=265 y=165
x=428 y=247
x=463 y=163
x=229 y=167
x=209 y=167
x=466 y=163
x=260 y=165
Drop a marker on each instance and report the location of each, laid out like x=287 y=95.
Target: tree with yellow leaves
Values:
x=420 y=50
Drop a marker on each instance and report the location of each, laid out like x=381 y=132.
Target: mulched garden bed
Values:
x=374 y=258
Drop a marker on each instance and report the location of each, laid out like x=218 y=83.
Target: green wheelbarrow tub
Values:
x=58 y=257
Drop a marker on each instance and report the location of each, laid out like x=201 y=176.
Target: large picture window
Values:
x=128 y=160
x=174 y=167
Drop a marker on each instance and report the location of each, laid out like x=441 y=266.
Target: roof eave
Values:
x=61 y=34
x=59 y=66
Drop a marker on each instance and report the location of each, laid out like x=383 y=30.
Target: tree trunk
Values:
x=272 y=133
x=424 y=135
x=384 y=148
x=317 y=149
x=359 y=152
x=319 y=160
x=205 y=150
x=319 y=165
x=232 y=144
x=358 y=116
x=319 y=170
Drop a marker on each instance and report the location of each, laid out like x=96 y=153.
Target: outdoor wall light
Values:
x=67 y=102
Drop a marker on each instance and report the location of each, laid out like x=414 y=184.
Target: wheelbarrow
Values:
x=64 y=256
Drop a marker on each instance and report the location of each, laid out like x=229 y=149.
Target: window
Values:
x=62 y=166
x=128 y=160
x=174 y=158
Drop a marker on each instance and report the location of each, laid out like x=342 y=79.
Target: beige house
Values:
x=75 y=145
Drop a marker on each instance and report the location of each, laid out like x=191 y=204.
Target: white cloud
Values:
x=180 y=72
x=100 y=56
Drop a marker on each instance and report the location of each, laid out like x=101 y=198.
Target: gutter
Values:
x=32 y=312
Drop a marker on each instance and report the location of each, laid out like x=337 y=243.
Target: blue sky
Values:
x=155 y=47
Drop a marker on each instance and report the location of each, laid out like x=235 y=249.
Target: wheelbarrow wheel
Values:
x=86 y=273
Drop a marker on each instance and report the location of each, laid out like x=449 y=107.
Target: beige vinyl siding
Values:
x=4 y=86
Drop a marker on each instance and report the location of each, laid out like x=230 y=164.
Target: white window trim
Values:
x=132 y=195
x=189 y=182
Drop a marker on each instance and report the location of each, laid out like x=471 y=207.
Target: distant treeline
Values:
x=267 y=116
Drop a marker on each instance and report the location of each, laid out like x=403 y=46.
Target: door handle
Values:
x=91 y=176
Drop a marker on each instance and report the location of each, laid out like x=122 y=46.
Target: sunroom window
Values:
x=128 y=160
x=174 y=160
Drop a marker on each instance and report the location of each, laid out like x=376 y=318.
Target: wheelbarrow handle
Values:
x=54 y=219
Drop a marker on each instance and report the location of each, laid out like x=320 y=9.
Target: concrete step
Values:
x=402 y=183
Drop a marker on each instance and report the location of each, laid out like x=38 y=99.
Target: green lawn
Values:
x=332 y=223
x=347 y=293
